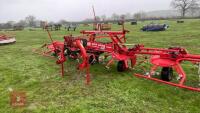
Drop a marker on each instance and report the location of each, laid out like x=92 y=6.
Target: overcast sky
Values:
x=74 y=10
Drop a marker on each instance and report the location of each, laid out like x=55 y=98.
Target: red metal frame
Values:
x=117 y=49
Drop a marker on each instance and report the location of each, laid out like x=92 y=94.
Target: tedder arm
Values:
x=169 y=60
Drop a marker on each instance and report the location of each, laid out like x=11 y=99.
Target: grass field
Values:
x=109 y=91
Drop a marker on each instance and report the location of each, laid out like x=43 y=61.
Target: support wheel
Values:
x=121 y=66
x=166 y=73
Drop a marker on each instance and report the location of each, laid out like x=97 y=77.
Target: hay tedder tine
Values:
x=152 y=71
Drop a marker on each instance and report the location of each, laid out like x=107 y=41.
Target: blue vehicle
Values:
x=155 y=27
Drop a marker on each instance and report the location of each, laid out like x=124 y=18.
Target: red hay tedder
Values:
x=88 y=48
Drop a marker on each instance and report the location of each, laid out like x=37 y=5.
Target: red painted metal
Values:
x=88 y=46
x=84 y=63
x=171 y=57
x=5 y=39
x=119 y=35
x=169 y=83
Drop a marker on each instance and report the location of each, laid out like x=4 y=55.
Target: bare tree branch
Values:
x=184 y=5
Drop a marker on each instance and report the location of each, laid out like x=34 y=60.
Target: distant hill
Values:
x=169 y=13
x=163 y=13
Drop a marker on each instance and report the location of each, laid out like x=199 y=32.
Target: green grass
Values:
x=109 y=91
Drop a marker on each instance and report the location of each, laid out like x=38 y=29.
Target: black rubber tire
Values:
x=121 y=66
x=166 y=73
x=84 y=42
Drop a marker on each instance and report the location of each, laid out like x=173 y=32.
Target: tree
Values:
x=184 y=5
x=122 y=17
x=98 y=18
x=31 y=21
x=8 y=25
x=1 y=26
x=103 y=17
x=193 y=11
x=21 y=23
x=127 y=16
x=88 y=20
x=115 y=16
x=139 y=15
x=63 y=22
x=51 y=23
